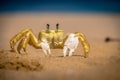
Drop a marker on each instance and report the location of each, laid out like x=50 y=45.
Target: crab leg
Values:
x=23 y=43
x=17 y=37
x=28 y=39
x=70 y=44
x=84 y=43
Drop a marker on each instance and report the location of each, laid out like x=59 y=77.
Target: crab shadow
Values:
x=73 y=56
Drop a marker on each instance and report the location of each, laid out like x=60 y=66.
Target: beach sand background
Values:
x=103 y=61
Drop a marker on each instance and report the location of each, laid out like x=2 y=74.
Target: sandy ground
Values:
x=103 y=61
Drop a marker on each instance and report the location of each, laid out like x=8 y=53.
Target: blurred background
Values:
x=60 y=6
x=97 y=19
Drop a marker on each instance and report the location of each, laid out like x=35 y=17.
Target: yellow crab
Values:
x=55 y=39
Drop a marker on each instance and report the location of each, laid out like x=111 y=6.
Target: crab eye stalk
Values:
x=57 y=26
x=48 y=27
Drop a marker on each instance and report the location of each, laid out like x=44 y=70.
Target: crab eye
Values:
x=48 y=26
x=57 y=26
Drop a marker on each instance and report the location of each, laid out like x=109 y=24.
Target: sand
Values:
x=103 y=61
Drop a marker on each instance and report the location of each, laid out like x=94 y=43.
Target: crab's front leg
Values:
x=70 y=44
x=84 y=43
x=45 y=47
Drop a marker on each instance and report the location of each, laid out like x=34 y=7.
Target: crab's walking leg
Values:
x=17 y=37
x=23 y=43
x=84 y=43
x=28 y=39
